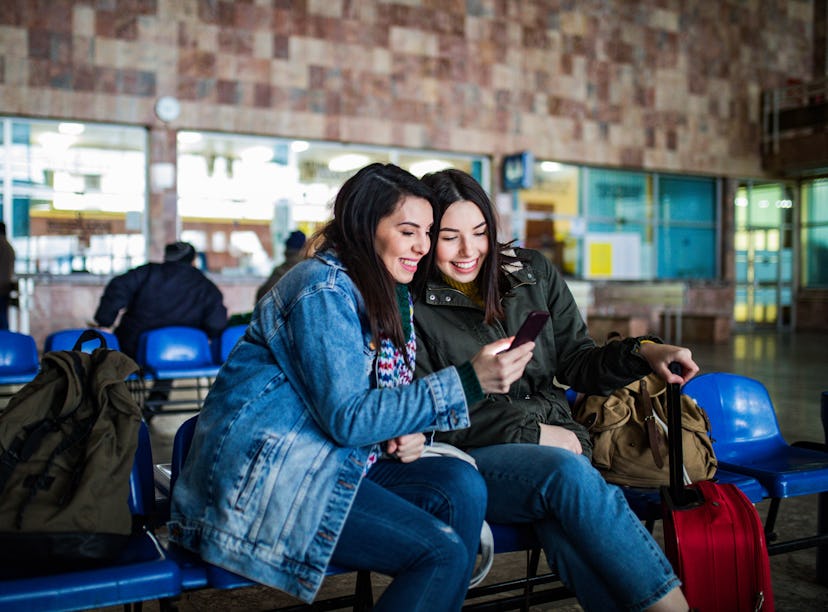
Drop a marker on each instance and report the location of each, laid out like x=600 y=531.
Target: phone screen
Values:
x=530 y=328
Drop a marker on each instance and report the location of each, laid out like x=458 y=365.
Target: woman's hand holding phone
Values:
x=497 y=368
x=498 y=365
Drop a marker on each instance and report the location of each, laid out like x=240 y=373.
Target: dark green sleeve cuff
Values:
x=471 y=385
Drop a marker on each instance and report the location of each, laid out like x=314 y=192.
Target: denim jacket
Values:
x=283 y=438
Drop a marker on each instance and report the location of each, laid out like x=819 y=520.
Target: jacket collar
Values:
x=438 y=293
x=330 y=258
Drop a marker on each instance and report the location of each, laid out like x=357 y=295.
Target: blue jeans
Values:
x=590 y=535
x=420 y=523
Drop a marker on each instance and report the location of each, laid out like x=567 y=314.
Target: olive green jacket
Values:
x=450 y=331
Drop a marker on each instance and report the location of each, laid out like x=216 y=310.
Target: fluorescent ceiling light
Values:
x=55 y=143
x=297 y=146
x=72 y=129
x=550 y=166
x=428 y=165
x=347 y=162
x=259 y=154
x=189 y=137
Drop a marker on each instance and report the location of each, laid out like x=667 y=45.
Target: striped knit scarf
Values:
x=392 y=370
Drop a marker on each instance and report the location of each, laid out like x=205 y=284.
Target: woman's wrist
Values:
x=471 y=384
x=643 y=341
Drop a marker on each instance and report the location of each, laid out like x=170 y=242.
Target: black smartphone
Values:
x=530 y=328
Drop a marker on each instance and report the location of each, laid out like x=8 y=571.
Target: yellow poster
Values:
x=600 y=259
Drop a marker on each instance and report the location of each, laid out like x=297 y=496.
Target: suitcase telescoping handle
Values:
x=681 y=496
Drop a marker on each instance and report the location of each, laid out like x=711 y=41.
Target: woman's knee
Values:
x=448 y=551
x=464 y=485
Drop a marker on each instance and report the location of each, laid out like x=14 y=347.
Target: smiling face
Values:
x=402 y=238
x=462 y=242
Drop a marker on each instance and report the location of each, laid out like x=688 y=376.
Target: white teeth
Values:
x=409 y=262
x=465 y=265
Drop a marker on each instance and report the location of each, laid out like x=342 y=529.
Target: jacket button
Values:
x=448 y=298
x=432 y=297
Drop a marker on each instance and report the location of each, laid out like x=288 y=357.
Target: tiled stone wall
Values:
x=657 y=84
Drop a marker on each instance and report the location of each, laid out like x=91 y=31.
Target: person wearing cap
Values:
x=159 y=295
x=293 y=255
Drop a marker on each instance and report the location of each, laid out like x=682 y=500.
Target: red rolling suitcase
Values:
x=713 y=536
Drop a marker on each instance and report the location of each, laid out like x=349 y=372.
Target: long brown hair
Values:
x=363 y=200
x=452 y=186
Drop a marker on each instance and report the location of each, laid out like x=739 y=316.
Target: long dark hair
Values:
x=452 y=186
x=363 y=200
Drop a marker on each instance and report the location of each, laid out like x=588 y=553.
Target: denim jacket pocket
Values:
x=261 y=456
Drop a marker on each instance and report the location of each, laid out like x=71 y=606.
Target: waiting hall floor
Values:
x=792 y=366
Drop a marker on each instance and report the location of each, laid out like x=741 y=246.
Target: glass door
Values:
x=764 y=255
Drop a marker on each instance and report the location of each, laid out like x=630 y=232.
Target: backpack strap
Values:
x=655 y=436
x=23 y=446
x=84 y=427
x=86 y=336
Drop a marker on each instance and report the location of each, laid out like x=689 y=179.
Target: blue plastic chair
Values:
x=747 y=440
x=197 y=573
x=142 y=572
x=176 y=354
x=64 y=340
x=226 y=341
x=169 y=353
x=18 y=358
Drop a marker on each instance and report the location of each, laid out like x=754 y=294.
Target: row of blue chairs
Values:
x=164 y=354
x=167 y=351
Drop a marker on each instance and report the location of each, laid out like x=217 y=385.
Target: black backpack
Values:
x=67 y=444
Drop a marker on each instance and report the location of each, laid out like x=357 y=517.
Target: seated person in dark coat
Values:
x=159 y=295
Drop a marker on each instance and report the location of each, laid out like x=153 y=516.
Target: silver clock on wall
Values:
x=167 y=108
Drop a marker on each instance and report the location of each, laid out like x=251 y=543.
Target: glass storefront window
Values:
x=74 y=195
x=240 y=196
x=815 y=233
x=686 y=231
x=618 y=209
x=763 y=253
x=621 y=225
x=551 y=217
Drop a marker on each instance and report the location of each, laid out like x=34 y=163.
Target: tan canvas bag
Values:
x=629 y=433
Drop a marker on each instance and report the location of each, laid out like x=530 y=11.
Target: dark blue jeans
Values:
x=419 y=523
x=588 y=532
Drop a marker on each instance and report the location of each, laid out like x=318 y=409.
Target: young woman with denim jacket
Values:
x=286 y=472
x=534 y=457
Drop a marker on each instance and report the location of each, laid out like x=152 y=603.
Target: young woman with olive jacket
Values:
x=533 y=456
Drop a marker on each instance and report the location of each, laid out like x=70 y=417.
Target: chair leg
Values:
x=532 y=562
x=770 y=520
x=364 y=592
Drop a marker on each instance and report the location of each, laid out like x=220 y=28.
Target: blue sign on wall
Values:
x=517 y=171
